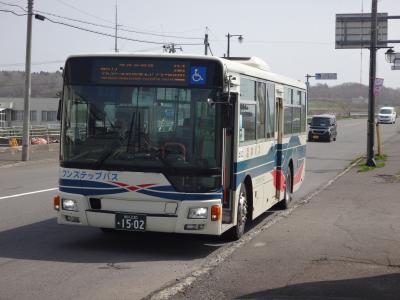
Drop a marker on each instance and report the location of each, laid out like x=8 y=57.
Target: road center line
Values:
x=29 y=193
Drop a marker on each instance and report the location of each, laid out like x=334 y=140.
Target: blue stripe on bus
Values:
x=164 y=188
x=91 y=192
x=86 y=184
x=264 y=164
x=255 y=162
x=181 y=196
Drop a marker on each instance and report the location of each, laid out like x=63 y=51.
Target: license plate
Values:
x=130 y=222
x=315 y=137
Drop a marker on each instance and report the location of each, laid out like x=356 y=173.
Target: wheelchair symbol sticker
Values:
x=198 y=75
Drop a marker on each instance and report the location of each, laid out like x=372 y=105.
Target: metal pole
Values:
x=308 y=76
x=116 y=28
x=206 y=44
x=25 y=133
x=378 y=139
x=229 y=46
x=372 y=75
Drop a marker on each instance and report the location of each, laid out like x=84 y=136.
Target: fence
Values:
x=12 y=136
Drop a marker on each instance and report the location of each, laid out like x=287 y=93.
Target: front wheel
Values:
x=237 y=232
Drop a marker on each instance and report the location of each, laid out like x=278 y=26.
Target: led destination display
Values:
x=141 y=72
x=134 y=71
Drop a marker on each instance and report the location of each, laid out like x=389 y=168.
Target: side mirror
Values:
x=59 y=110
x=210 y=101
x=225 y=99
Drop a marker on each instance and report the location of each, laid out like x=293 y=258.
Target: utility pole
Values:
x=116 y=28
x=25 y=134
x=228 y=50
x=206 y=44
x=372 y=76
x=308 y=76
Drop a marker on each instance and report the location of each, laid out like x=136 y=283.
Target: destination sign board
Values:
x=326 y=76
x=141 y=72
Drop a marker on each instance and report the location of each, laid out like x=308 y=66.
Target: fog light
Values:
x=194 y=226
x=198 y=213
x=72 y=219
x=68 y=204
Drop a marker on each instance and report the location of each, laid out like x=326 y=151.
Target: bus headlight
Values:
x=198 y=213
x=68 y=204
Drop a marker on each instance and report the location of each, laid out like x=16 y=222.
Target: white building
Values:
x=43 y=111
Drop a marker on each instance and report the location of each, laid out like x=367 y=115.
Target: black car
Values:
x=322 y=128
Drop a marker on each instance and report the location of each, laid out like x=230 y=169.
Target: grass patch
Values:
x=362 y=167
x=381 y=157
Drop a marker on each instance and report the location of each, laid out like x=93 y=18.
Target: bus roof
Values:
x=250 y=66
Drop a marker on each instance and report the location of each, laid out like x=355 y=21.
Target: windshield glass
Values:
x=140 y=128
x=320 y=122
x=386 y=111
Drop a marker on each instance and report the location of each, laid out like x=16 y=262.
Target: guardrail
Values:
x=12 y=136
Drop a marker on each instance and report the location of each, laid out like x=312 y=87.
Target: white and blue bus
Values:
x=177 y=143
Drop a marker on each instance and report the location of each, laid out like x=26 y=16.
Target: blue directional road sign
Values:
x=326 y=76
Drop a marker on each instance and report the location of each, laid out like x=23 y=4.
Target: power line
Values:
x=161 y=35
x=13 y=12
x=106 y=34
x=75 y=20
x=103 y=33
x=121 y=29
x=14 y=5
x=84 y=12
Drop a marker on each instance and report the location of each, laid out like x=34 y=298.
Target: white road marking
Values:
x=224 y=253
x=29 y=193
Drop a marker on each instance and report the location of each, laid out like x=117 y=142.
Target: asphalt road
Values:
x=40 y=259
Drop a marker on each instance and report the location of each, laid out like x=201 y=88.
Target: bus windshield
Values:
x=140 y=128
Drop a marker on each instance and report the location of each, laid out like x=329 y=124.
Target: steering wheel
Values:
x=180 y=146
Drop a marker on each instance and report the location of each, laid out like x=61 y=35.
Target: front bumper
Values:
x=161 y=216
x=318 y=136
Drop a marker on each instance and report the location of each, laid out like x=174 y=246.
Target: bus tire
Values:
x=287 y=199
x=242 y=212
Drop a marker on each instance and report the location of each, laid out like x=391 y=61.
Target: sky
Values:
x=294 y=37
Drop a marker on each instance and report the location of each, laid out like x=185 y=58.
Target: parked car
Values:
x=387 y=115
x=322 y=128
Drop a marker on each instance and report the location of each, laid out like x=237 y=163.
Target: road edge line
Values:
x=171 y=290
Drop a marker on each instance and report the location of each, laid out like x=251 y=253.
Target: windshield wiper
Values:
x=106 y=154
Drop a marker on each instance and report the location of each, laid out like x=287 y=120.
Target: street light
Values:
x=240 y=39
x=390 y=55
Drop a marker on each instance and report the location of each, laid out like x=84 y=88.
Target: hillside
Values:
x=44 y=84
x=353 y=91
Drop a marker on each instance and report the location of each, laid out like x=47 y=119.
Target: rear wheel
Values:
x=285 y=203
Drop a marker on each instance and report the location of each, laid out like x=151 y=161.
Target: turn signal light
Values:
x=57 y=201
x=215 y=213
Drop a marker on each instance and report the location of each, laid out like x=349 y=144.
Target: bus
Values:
x=177 y=143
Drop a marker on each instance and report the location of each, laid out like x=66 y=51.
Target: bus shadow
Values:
x=48 y=241
x=376 y=287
